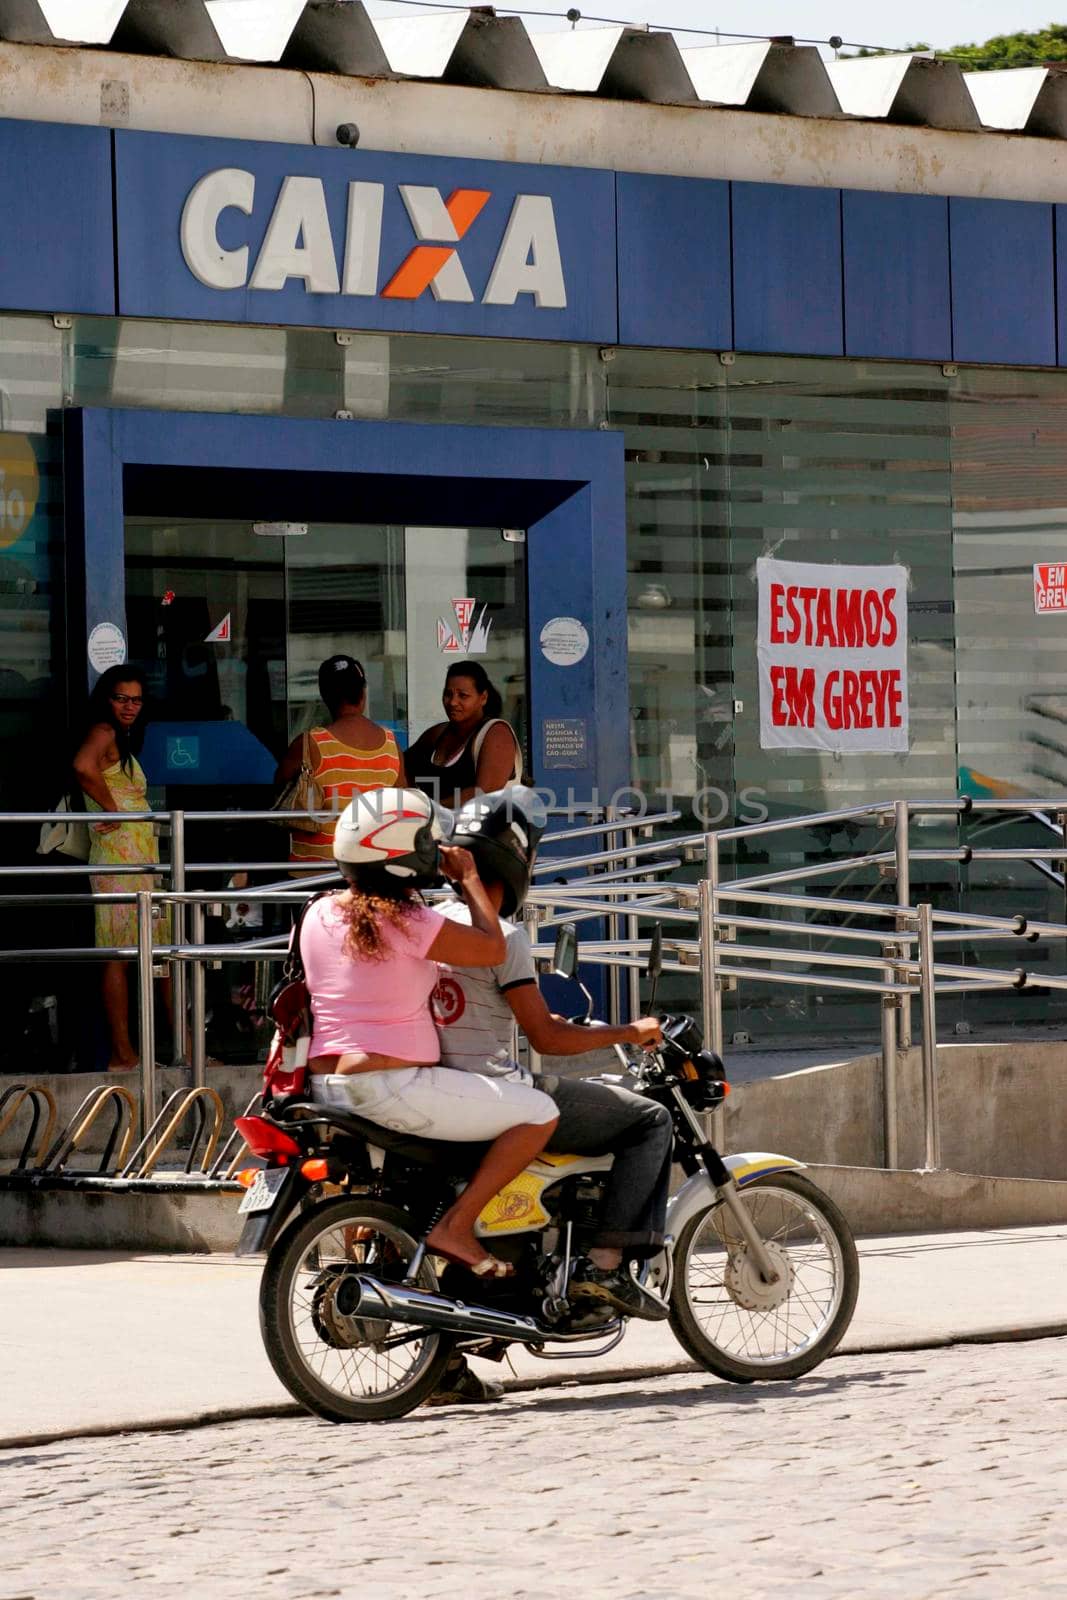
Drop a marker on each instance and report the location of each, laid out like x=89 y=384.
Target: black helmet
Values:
x=502 y=831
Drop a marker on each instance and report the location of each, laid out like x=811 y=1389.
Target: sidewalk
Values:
x=98 y=1342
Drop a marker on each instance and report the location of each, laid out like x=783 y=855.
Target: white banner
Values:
x=833 y=656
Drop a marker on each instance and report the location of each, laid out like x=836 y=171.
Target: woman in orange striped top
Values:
x=351 y=755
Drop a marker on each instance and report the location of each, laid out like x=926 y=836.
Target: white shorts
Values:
x=435 y=1102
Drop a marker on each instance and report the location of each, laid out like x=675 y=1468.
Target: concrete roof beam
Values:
x=474 y=48
x=761 y=75
x=917 y=90
x=1021 y=100
x=60 y=21
x=337 y=36
x=209 y=30
x=619 y=63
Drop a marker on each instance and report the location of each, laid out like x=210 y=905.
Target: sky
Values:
x=941 y=23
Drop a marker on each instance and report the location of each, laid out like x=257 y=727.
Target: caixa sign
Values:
x=217 y=230
x=299 y=242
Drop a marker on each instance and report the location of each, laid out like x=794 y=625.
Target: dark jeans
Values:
x=597 y=1119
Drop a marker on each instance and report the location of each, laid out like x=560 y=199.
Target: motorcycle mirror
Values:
x=565 y=954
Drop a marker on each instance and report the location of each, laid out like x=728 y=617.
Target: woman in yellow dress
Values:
x=111 y=778
x=349 y=756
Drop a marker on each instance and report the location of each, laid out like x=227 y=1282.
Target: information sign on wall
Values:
x=832 y=649
x=566 y=743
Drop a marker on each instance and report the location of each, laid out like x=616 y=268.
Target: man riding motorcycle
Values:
x=473 y=1009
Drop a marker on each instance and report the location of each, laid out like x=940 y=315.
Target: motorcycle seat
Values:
x=454 y=1156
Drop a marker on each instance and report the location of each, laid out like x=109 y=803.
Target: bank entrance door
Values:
x=232 y=619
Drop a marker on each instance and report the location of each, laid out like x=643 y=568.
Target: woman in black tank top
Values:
x=475 y=749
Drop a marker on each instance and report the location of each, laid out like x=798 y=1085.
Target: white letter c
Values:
x=208 y=199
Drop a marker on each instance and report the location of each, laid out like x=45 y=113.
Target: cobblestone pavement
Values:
x=918 y=1475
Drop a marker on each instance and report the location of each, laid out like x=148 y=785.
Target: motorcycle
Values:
x=759 y=1268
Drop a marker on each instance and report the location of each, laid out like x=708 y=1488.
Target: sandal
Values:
x=487 y=1267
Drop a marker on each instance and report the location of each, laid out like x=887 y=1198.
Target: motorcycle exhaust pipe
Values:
x=360 y=1296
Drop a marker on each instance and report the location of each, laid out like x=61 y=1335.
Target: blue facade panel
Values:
x=1060 y=229
x=1003 y=299
x=367 y=235
x=674 y=262
x=55 y=192
x=898 y=303
x=787 y=269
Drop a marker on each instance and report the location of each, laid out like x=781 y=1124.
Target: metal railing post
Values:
x=903 y=864
x=614 y=927
x=633 y=932
x=931 y=1112
x=710 y=997
x=146 y=1007
x=890 y=1140
x=177 y=968
x=198 y=1000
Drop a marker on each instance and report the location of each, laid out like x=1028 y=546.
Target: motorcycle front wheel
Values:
x=742 y=1328
x=347 y=1368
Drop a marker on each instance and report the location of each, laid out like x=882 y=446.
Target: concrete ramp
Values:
x=1003 y=1111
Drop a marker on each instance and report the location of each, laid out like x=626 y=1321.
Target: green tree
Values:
x=1006 y=50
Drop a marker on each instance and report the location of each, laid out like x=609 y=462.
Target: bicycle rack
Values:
x=38 y=1095
x=83 y=1119
x=256 y=1100
x=198 y=1099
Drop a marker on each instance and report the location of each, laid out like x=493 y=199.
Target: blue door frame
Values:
x=566 y=488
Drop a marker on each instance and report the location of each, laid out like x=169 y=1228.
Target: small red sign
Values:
x=1050 y=586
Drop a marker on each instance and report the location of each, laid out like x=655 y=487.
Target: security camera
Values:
x=348 y=133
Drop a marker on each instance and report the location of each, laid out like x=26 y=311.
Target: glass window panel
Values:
x=1009 y=465
x=187 y=366
x=31 y=564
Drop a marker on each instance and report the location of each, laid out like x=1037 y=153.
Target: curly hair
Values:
x=374 y=899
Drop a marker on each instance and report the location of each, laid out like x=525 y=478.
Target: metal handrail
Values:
x=624 y=883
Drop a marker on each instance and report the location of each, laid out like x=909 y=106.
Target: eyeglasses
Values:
x=127 y=700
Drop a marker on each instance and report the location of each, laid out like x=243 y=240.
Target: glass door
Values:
x=406 y=601
x=231 y=620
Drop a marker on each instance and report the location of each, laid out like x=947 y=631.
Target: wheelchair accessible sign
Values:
x=183 y=752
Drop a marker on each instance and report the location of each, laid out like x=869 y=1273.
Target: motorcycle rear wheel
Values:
x=346 y=1369
x=727 y=1319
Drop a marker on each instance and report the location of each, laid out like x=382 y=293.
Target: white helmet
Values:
x=395 y=830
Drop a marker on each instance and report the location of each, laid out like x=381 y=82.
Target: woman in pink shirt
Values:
x=369 y=956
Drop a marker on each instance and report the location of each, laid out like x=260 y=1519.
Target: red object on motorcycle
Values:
x=264 y=1139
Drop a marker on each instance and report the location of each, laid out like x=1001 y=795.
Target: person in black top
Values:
x=474 y=750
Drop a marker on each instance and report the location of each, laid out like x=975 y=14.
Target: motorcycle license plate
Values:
x=263 y=1193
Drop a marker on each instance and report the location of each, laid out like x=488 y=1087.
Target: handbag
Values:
x=63 y=837
x=285 y=1073
x=301 y=793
